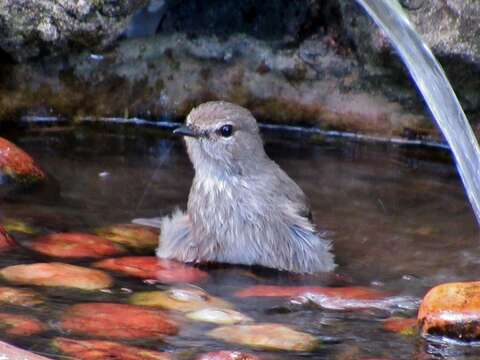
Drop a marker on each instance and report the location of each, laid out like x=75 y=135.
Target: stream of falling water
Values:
x=435 y=88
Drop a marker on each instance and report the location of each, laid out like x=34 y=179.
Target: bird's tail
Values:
x=153 y=222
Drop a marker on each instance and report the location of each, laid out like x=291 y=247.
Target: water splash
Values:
x=435 y=88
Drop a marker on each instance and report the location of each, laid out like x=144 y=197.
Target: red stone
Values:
x=401 y=325
x=117 y=321
x=227 y=355
x=348 y=293
x=75 y=245
x=57 y=274
x=20 y=325
x=151 y=267
x=17 y=163
x=101 y=350
x=6 y=241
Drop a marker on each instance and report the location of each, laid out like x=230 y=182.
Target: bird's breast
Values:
x=225 y=208
x=216 y=196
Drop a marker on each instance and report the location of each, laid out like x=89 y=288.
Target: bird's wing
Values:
x=287 y=188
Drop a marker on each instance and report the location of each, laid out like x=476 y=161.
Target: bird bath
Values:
x=397 y=215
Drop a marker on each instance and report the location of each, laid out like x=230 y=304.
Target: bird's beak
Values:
x=185 y=131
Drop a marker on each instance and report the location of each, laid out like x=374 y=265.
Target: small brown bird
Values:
x=242 y=208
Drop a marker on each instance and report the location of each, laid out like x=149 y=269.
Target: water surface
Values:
x=398 y=217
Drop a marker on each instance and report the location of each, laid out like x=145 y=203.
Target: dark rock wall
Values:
x=37 y=28
x=313 y=62
x=284 y=21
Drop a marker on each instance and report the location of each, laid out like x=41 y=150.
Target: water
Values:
x=397 y=216
x=436 y=90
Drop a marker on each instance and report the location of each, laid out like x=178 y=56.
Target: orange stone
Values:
x=101 y=350
x=266 y=336
x=349 y=293
x=57 y=274
x=17 y=163
x=75 y=245
x=117 y=321
x=20 y=325
x=151 y=267
x=451 y=310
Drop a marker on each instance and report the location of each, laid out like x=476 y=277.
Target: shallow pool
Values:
x=398 y=217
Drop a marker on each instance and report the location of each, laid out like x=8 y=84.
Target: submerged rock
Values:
x=57 y=274
x=452 y=310
x=17 y=164
x=20 y=325
x=19 y=226
x=117 y=321
x=219 y=316
x=227 y=355
x=75 y=245
x=266 y=336
x=347 y=293
x=18 y=296
x=100 y=350
x=179 y=299
x=131 y=235
x=151 y=267
x=403 y=326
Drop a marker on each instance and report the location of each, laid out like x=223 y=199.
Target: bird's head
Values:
x=222 y=136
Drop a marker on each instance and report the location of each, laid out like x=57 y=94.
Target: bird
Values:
x=242 y=207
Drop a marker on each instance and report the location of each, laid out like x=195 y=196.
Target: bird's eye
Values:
x=226 y=130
